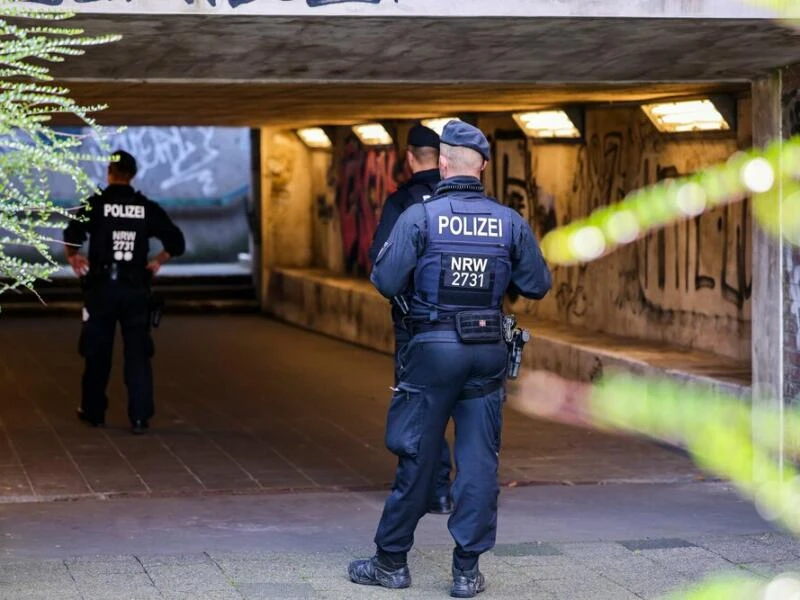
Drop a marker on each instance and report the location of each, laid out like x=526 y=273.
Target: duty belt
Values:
x=415 y=327
x=472 y=326
x=471 y=393
x=112 y=272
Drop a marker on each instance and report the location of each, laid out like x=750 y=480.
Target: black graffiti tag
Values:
x=315 y=3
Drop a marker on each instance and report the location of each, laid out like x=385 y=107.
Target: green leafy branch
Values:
x=31 y=150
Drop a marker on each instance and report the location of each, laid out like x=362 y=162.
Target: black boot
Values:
x=467 y=584
x=139 y=427
x=90 y=421
x=369 y=571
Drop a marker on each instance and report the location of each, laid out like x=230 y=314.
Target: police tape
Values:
x=725 y=436
x=770 y=176
x=752 y=446
x=735 y=586
x=732 y=439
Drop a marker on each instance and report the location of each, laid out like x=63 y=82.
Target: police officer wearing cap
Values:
x=116 y=279
x=462 y=250
x=422 y=155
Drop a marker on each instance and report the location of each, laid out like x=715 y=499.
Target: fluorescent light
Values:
x=373 y=134
x=690 y=115
x=438 y=123
x=547 y=124
x=314 y=137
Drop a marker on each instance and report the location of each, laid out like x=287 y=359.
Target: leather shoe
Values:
x=139 y=427
x=368 y=571
x=442 y=505
x=467 y=584
x=88 y=420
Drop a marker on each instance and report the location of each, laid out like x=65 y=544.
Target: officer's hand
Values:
x=153 y=266
x=79 y=264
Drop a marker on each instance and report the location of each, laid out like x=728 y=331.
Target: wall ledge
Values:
x=352 y=310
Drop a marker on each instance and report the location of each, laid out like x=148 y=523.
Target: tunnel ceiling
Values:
x=302 y=104
x=264 y=70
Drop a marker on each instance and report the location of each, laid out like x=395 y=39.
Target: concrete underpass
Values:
x=677 y=302
x=265 y=467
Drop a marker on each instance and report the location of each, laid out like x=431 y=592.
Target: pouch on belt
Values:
x=479 y=326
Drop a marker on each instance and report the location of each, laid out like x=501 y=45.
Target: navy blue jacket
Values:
x=397 y=259
x=411 y=192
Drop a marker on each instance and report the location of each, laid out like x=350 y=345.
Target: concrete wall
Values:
x=688 y=285
x=338 y=306
x=200 y=175
x=290 y=197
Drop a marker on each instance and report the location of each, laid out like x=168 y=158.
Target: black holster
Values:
x=156 y=309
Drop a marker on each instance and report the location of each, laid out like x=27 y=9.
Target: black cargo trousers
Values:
x=106 y=304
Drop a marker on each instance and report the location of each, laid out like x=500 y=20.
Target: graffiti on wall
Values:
x=695 y=277
x=178 y=166
x=707 y=257
x=699 y=269
x=201 y=175
x=175 y=158
x=707 y=254
x=314 y=3
x=511 y=181
x=690 y=266
x=365 y=179
x=600 y=173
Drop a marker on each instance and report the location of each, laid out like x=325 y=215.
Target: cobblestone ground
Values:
x=245 y=404
x=555 y=542
x=265 y=473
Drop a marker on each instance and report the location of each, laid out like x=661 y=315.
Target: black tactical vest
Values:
x=119 y=243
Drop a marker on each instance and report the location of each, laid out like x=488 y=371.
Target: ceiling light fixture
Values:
x=373 y=134
x=687 y=116
x=314 y=137
x=438 y=123
x=548 y=124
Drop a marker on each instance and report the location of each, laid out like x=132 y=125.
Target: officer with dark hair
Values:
x=116 y=280
x=462 y=250
x=422 y=155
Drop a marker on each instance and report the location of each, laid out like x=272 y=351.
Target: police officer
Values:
x=116 y=279
x=422 y=155
x=462 y=251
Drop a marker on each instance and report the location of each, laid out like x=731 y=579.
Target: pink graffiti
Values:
x=365 y=180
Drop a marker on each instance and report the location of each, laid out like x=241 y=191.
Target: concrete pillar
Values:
x=776 y=266
x=287 y=205
x=267 y=251
x=254 y=211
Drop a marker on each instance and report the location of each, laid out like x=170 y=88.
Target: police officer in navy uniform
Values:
x=116 y=279
x=422 y=155
x=462 y=250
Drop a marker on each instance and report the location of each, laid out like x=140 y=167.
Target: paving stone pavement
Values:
x=598 y=570
x=246 y=404
x=258 y=478
x=554 y=542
